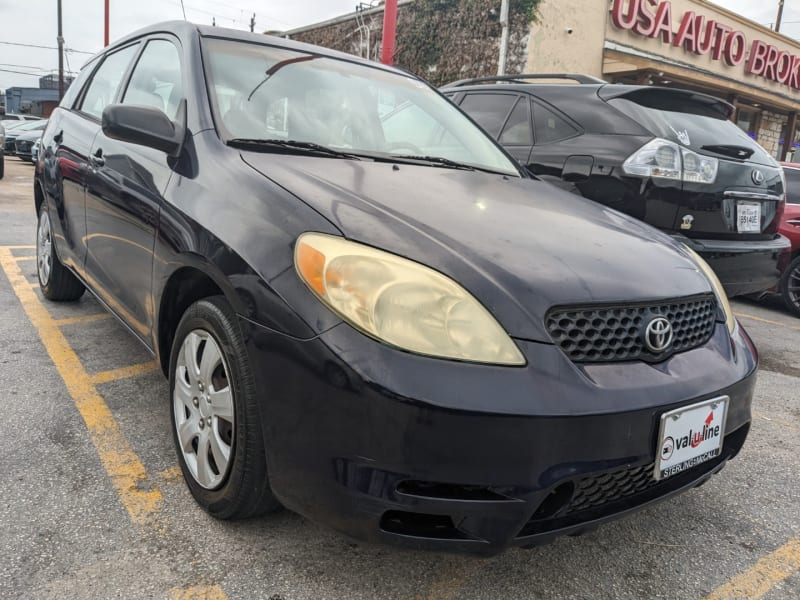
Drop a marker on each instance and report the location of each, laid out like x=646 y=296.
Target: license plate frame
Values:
x=683 y=454
x=748 y=217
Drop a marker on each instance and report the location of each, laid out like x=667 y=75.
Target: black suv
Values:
x=669 y=157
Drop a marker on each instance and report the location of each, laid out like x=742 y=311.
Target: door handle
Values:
x=97 y=159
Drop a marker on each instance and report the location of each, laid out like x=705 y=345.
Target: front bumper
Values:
x=386 y=446
x=743 y=267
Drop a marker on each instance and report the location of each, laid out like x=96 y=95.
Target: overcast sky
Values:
x=34 y=22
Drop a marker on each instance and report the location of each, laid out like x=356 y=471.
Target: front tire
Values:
x=790 y=286
x=55 y=280
x=215 y=417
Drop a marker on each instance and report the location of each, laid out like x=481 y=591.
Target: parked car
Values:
x=669 y=157
x=19 y=117
x=25 y=127
x=35 y=150
x=789 y=287
x=382 y=333
x=2 y=150
x=23 y=145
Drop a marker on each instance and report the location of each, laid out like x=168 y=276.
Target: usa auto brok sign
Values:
x=701 y=35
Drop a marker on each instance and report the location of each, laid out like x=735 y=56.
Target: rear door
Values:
x=68 y=141
x=124 y=193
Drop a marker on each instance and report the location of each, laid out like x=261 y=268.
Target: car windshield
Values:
x=262 y=92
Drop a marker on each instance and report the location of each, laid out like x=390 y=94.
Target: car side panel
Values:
x=65 y=146
x=123 y=198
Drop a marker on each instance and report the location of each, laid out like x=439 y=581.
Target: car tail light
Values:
x=663 y=159
x=774 y=225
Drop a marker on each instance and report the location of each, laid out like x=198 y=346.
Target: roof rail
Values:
x=581 y=79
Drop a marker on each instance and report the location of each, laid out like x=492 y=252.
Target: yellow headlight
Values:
x=719 y=291
x=401 y=302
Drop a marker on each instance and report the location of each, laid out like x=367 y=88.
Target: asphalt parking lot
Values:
x=93 y=504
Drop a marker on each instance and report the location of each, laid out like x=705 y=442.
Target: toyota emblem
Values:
x=658 y=335
x=758 y=177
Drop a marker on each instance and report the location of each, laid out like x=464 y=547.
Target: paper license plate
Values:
x=690 y=435
x=748 y=217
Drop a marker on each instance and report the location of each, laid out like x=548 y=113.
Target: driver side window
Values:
x=156 y=80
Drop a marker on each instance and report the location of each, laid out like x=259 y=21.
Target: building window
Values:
x=748 y=120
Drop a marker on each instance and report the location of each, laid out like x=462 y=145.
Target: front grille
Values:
x=616 y=333
x=601 y=489
x=24 y=146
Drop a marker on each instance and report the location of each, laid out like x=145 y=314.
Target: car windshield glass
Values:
x=694 y=130
x=263 y=92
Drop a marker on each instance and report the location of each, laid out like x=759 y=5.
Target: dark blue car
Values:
x=367 y=311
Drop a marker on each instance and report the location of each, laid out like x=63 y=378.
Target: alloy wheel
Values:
x=793 y=286
x=44 y=248
x=203 y=409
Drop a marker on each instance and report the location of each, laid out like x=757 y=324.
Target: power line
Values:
x=26 y=73
x=44 y=47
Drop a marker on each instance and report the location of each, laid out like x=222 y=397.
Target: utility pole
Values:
x=105 y=38
x=389 y=31
x=60 y=56
x=253 y=23
x=501 y=63
x=780 y=16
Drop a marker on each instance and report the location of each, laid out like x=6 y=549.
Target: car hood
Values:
x=520 y=246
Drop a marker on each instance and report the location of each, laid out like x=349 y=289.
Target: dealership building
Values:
x=691 y=44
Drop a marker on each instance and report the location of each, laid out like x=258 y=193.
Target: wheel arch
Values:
x=185 y=286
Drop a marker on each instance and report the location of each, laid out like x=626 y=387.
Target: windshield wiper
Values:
x=731 y=150
x=440 y=161
x=291 y=146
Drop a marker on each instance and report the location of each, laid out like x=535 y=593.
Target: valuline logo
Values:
x=695 y=438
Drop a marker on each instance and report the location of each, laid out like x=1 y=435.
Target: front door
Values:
x=124 y=194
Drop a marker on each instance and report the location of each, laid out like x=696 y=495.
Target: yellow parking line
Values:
x=20 y=247
x=762 y=576
x=171 y=474
x=198 y=592
x=82 y=319
x=123 y=372
x=761 y=320
x=121 y=463
x=21 y=258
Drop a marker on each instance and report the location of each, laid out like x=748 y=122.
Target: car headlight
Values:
x=719 y=291
x=400 y=302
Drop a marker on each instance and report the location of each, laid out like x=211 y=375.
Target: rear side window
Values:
x=103 y=87
x=695 y=126
x=517 y=131
x=549 y=126
x=156 y=80
x=792 y=185
x=490 y=111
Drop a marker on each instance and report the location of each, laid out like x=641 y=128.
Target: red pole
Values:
x=389 y=28
x=106 y=22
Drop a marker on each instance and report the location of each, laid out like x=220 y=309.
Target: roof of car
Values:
x=186 y=29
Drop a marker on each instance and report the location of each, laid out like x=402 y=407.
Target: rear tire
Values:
x=55 y=280
x=216 y=422
x=790 y=286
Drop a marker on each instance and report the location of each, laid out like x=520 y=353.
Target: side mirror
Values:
x=146 y=126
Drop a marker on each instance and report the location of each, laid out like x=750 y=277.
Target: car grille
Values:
x=601 y=489
x=24 y=146
x=615 y=333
